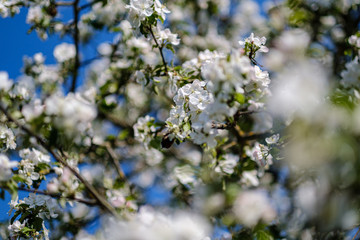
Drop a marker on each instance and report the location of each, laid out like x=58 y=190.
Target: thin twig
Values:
x=64 y=3
x=160 y=49
x=88 y=61
x=76 y=38
x=113 y=119
x=236 y=117
x=56 y=195
x=115 y=161
x=106 y=205
x=356 y=233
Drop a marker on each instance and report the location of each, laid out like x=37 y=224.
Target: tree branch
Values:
x=115 y=161
x=56 y=195
x=106 y=205
x=237 y=115
x=356 y=234
x=64 y=3
x=76 y=38
x=160 y=49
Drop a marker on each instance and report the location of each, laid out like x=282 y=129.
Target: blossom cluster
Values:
x=34 y=210
x=152 y=224
x=33 y=166
x=228 y=85
x=139 y=10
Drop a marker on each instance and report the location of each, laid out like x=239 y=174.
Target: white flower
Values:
x=258 y=42
x=260 y=154
x=252 y=206
x=52 y=207
x=273 y=139
x=14 y=204
x=116 y=198
x=166 y=35
x=140 y=78
x=49 y=74
x=139 y=10
x=73 y=113
x=16 y=227
x=300 y=90
x=27 y=170
x=35 y=156
x=64 y=52
x=153 y=156
x=161 y=9
x=351 y=76
x=144 y=129
x=7 y=138
x=185 y=174
x=24 y=87
x=249 y=178
x=32 y=110
x=5 y=167
x=36 y=200
x=149 y=224
x=5 y=82
x=355 y=41
x=227 y=164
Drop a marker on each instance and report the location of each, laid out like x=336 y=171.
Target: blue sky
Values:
x=15 y=43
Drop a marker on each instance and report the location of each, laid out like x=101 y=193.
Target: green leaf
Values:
x=16 y=214
x=243 y=235
x=37 y=224
x=24 y=216
x=240 y=98
x=170 y=47
x=263 y=235
x=187 y=126
x=26 y=230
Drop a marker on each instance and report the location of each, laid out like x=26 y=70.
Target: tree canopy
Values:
x=197 y=120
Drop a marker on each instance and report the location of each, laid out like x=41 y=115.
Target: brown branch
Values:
x=115 y=161
x=356 y=233
x=229 y=125
x=255 y=136
x=114 y=120
x=56 y=195
x=76 y=38
x=106 y=205
x=160 y=49
x=64 y=3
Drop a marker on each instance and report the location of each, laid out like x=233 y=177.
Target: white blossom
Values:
x=150 y=224
x=64 y=52
x=161 y=9
x=166 y=35
x=5 y=82
x=144 y=129
x=273 y=139
x=252 y=206
x=258 y=42
x=35 y=156
x=227 y=164
x=139 y=10
x=185 y=174
x=7 y=138
x=351 y=76
x=35 y=200
x=16 y=227
x=74 y=113
x=5 y=167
